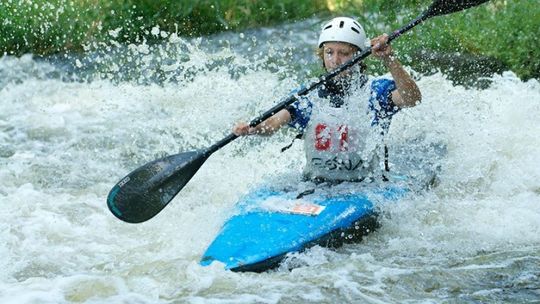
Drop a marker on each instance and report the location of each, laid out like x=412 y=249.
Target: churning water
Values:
x=70 y=128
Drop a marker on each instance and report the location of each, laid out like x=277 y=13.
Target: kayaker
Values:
x=344 y=122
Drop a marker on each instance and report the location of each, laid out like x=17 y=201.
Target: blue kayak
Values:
x=268 y=224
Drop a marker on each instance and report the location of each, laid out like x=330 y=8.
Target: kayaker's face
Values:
x=337 y=53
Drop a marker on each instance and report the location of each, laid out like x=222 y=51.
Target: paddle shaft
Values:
x=305 y=90
x=437 y=8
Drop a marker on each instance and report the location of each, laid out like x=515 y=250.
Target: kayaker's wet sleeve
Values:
x=381 y=100
x=300 y=113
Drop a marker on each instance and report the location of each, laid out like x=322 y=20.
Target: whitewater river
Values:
x=70 y=128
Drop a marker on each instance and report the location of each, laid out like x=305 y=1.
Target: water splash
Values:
x=69 y=131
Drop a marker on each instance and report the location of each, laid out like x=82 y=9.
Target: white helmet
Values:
x=343 y=29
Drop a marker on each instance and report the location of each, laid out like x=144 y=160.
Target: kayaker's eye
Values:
x=345 y=53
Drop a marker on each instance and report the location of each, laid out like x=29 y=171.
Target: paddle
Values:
x=146 y=191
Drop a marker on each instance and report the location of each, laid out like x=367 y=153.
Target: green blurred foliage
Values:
x=503 y=29
x=49 y=26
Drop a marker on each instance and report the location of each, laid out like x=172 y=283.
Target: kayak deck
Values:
x=269 y=224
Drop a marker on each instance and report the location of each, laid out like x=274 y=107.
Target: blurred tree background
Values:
x=502 y=33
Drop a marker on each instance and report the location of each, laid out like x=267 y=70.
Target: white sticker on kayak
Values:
x=302 y=207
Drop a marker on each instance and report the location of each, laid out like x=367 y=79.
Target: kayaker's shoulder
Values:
x=382 y=84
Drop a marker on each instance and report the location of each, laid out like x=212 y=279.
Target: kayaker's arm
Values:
x=267 y=127
x=407 y=94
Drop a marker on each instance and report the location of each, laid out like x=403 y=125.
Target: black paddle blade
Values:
x=443 y=7
x=146 y=191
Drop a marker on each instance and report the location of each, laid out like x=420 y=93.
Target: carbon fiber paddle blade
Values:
x=146 y=191
x=443 y=7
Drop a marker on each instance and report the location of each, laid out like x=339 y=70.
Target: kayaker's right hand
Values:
x=243 y=129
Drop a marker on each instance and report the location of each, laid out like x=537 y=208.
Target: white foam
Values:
x=69 y=142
